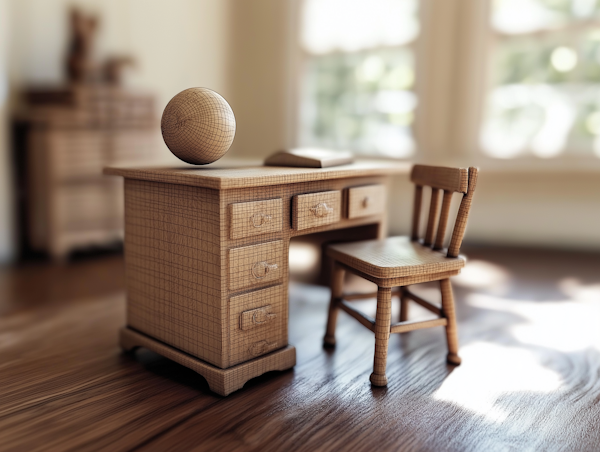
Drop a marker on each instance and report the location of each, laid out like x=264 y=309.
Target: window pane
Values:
x=351 y=25
x=358 y=78
x=546 y=100
x=524 y=16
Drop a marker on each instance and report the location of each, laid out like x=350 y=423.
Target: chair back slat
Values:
x=432 y=221
x=443 y=223
x=416 y=213
x=450 y=181
x=463 y=215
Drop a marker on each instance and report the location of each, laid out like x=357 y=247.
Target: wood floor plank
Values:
x=530 y=378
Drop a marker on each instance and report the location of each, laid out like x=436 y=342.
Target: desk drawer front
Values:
x=367 y=200
x=256 y=264
x=257 y=322
x=316 y=209
x=255 y=218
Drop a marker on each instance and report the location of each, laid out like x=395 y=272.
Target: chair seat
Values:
x=394 y=257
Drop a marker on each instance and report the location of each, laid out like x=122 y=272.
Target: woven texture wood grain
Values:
x=401 y=261
x=316 y=209
x=71 y=133
x=255 y=218
x=222 y=176
x=393 y=257
x=204 y=286
x=441 y=177
x=265 y=329
x=368 y=200
x=198 y=126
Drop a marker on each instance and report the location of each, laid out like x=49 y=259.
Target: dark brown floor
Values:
x=529 y=324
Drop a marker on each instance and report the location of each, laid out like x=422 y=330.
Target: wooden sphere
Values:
x=198 y=126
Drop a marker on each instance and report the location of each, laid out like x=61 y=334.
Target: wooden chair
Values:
x=397 y=262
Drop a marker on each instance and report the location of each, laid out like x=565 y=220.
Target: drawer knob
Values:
x=258 y=348
x=321 y=210
x=366 y=201
x=259 y=219
x=261 y=316
x=262 y=269
x=256 y=317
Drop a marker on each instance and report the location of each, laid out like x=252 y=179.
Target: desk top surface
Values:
x=232 y=174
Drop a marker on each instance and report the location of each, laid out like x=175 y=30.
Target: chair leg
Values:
x=383 y=320
x=403 y=306
x=450 y=314
x=337 y=286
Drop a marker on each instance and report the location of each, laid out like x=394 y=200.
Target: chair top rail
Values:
x=444 y=178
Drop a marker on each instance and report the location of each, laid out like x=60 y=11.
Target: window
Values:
x=545 y=66
x=358 y=75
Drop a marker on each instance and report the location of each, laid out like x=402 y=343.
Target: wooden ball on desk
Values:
x=198 y=126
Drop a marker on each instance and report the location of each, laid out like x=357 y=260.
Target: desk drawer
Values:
x=257 y=324
x=316 y=209
x=366 y=200
x=255 y=218
x=255 y=264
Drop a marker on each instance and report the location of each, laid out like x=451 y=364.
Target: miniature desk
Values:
x=206 y=253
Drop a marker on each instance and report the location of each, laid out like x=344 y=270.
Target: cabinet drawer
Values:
x=255 y=218
x=77 y=153
x=316 y=209
x=257 y=324
x=255 y=264
x=366 y=200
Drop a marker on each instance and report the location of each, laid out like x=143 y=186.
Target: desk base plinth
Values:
x=220 y=381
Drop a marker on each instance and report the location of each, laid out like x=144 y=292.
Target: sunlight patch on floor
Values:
x=533 y=355
x=490 y=370
x=481 y=274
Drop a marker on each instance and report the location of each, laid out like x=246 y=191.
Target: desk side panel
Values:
x=173 y=264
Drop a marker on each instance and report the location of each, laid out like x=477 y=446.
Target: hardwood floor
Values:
x=530 y=378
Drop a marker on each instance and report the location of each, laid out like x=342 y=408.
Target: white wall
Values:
x=7 y=246
x=177 y=44
x=556 y=209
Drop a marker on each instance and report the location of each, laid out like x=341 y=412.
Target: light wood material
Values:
x=450 y=314
x=337 y=285
x=223 y=175
x=440 y=177
x=220 y=381
x=416 y=219
x=402 y=261
x=443 y=222
x=256 y=265
x=310 y=158
x=433 y=215
x=256 y=218
x=70 y=134
x=364 y=201
x=316 y=209
x=64 y=385
x=193 y=270
x=463 y=215
x=406 y=326
x=198 y=126
x=382 y=335
x=257 y=324
x=393 y=257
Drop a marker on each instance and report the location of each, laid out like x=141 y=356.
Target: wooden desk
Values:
x=206 y=253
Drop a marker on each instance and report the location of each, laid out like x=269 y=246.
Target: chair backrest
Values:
x=450 y=181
